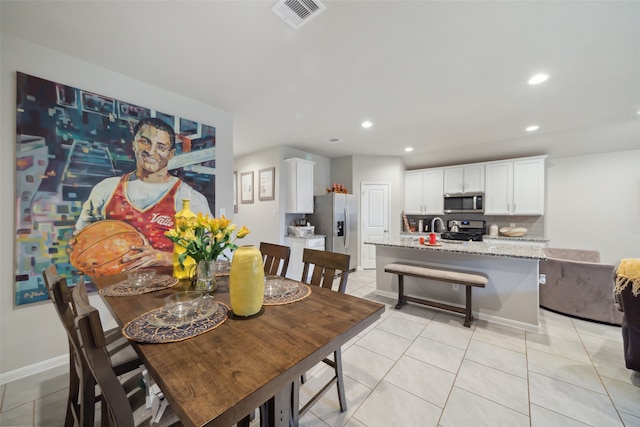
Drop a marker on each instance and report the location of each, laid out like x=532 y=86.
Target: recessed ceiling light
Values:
x=366 y=124
x=408 y=149
x=538 y=78
x=532 y=128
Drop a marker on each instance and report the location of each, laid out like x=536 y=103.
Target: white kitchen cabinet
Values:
x=515 y=187
x=498 y=195
x=423 y=192
x=528 y=187
x=413 y=193
x=299 y=185
x=297 y=245
x=464 y=179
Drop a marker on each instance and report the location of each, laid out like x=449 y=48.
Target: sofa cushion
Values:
x=573 y=254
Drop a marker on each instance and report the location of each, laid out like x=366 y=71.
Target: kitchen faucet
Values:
x=433 y=224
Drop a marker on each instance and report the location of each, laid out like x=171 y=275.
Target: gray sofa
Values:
x=579 y=285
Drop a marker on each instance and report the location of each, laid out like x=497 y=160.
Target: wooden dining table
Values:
x=219 y=377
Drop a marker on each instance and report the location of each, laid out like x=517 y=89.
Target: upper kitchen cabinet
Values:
x=300 y=185
x=423 y=192
x=464 y=179
x=515 y=187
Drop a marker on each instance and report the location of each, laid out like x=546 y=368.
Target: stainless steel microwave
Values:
x=464 y=203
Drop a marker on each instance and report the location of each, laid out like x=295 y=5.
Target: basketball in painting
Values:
x=100 y=247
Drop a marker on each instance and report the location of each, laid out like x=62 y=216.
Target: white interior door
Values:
x=375 y=220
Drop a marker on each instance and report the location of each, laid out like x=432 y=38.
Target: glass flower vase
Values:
x=206 y=278
x=246 y=281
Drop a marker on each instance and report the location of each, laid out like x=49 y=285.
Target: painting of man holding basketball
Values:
x=146 y=200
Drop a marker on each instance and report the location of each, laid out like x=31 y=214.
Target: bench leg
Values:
x=401 y=298
x=468 y=316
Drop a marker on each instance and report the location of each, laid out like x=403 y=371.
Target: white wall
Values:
x=32 y=333
x=342 y=173
x=262 y=217
x=593 y=202
x=266 y=219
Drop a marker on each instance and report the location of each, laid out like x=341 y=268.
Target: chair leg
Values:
x=337 y=355
x=88 y=400
x=74 y=392
x=104 y=415
x=295 y=404
x=244 y=422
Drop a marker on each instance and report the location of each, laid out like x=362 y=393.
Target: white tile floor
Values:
x=421 y=367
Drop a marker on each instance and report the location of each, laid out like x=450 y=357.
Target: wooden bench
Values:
x=466 y=278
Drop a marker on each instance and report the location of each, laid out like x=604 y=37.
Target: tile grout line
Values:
x=598 y=373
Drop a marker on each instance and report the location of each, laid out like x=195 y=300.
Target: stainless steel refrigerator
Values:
x=336 y=216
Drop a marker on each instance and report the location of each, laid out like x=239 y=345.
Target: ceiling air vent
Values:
x=296 y=13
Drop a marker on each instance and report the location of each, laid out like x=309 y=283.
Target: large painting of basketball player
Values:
x=125 y=217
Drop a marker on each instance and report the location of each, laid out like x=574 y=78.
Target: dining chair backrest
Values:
x=123 y=404
x=326 y=266
x=94 y=348
x=275 y=258
x=81 y=401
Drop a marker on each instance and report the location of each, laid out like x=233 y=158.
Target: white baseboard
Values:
x=26 y=371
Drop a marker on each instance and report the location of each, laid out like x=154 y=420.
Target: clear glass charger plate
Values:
x=141 y=328
x=126 y=288
x=166 y=316
x=278 y=288
x=278 y=292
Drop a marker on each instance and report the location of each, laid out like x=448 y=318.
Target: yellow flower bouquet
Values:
x=204 y=238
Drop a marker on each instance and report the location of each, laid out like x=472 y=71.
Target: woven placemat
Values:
x=125 y=289
x=298 y=291
x=149 y=327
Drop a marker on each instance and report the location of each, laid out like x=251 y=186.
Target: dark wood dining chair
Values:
x=123 y=404
x=327 y=266
x=275 y=258
x=82 y=386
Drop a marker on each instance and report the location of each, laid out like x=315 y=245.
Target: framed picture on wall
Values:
x=246 y=187
x=266 y=182
x=235 y=191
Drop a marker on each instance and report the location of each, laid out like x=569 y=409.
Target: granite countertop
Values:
x=312 y=236
x=473 y=248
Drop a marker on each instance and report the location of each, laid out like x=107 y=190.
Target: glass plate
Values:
x=161 y=280
x=163 y=318
x=276 y=289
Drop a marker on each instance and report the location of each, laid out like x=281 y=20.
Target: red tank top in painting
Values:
x=152 y=222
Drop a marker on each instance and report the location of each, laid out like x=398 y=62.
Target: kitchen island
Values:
x=510 y=296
